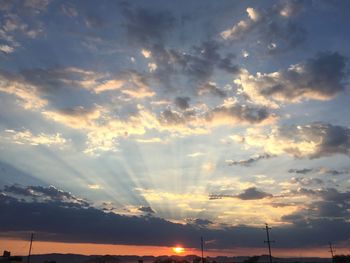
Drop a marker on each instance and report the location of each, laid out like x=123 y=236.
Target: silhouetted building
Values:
x=6 y=258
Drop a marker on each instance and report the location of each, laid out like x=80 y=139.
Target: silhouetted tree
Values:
x=341 y=259
x=253 y=259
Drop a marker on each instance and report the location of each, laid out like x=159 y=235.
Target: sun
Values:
x=178 y=250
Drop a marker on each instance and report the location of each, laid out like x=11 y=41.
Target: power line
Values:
x=331 y=250
x=268 y=241
x=30 y=247
x=202 y=249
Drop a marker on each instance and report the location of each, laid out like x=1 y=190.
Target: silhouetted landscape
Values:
x=74 y=258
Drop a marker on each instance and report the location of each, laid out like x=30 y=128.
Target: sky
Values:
x=135 y=126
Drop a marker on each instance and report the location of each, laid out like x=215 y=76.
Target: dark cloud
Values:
x=223 y=115
x=202 y=222
x=240 y=113
x=250 y=160
x=55 y=220
x=330 y=139
x=44 y=194
x=328 y=171
x=304 y=181
x=253 y=193
x=301 y=171
x=146 y=209
x=211 y=89
x=275 y=27
x=197 y=65
x=182 y=102
x=329 y=204
x=320 y=170
x=319 y=78
x=147 y=26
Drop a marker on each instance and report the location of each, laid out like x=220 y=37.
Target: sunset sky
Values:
x=137 y=126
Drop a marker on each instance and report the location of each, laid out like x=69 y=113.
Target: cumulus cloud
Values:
x=271 y=25
x=327 y=204
x=182 y=102
x=200 y=122
x=313 y=140
x=251 y=193
x=251 y=160
x=20 y=21
x=243 y=26
x=28 y=95
x=146 y=209
x=27 y=137
x=44 y=194
x=210 y=88
x=236 y=113
x=319 y=78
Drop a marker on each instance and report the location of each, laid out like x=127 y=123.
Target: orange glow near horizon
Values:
x=20 y=247
x=179 y=250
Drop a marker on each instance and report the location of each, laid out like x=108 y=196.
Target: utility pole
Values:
x=268 y=241
x=202 y=249
x=30 y=247
x=331 y=250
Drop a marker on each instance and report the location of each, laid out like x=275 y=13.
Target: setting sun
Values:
x=178 y=250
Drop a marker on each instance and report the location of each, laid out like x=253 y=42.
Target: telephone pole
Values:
x=268 y=241
x=202 y=249
x=331 y=250
x=30 y=247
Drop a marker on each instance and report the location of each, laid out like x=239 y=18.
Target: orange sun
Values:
x=178 y=250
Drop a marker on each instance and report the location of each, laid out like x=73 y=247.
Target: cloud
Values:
x=77 y=118
x=69 y=10
x=44 y=194
x=64 y=213
x=195 y=66
x=191 y=121
x=313 y=140
x=210 y=88
x=95 y=186
x=146 y=209
x=195 y=154
x=272 y=25
x=199 y=222
x=27 y=137
x=250 y=160
x=253 y=193
x=300 y=171
x=28 y=95
x=243 y=26
x=327 y=204
x=19 y=22
x=239 y=114
x=182 y=102
x=128 y=82
x=319 y=78
x=320 y=170
x=6 y=49
x=147 y=26
x=303 y=181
